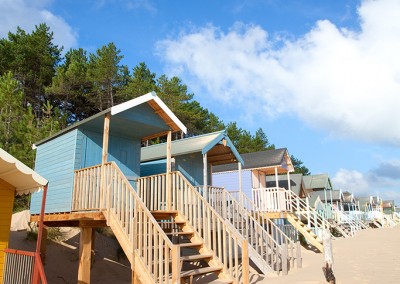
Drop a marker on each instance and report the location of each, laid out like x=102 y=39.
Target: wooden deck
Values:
x=73 y=219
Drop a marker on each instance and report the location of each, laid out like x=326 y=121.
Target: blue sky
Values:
x=322 y=78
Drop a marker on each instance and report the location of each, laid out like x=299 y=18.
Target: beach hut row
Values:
x=188 y=209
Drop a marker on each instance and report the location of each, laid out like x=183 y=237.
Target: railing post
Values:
x=176 y=264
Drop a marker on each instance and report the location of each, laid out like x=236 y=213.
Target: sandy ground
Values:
x=373 y=256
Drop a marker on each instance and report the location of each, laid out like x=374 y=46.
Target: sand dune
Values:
x=373 y=256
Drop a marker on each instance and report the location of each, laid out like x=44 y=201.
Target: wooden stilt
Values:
x=43 y=245
x=134 y=278
x=92 y=246
x=85 y=252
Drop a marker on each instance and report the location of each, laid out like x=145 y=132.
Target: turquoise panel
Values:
x=153 y=168
x=55 y=161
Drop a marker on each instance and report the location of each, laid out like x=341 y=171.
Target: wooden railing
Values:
x=271 y=199
x=283 y=200
x=139 y=234
x=304 y=211
x=217 y=233
x=269 y=243
x=23 y=267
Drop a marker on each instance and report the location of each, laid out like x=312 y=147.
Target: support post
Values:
x=168 y=171
x=104 y=154
x=240 y=176
x=298 y=254
x=92 y=246
x=176 y=264
x=245 y=262
x=43 y=245
x=85 y=253
x=284 y=258
x=40 y=236
x=205 y=175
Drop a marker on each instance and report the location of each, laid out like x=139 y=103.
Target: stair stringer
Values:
x=214 y=261
x=305 y=231
x=137 y=265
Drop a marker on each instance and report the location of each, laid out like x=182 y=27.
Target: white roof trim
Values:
x=24 y=179
x=143 y=99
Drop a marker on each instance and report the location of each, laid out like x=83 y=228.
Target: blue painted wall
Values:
x=230 y=180
x=80 y=148
x=55 y=160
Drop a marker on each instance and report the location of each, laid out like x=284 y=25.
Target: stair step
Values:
x=172 y=222
x=163 y=214
x=200 y=271
x=221 y=281
x=196 y=257
x=179 y=233
x=188 y=245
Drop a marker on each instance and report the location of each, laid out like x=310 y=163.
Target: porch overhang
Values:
x=145 y=117
x=23 y=179
x=218 y=147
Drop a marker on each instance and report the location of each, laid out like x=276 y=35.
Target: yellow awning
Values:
x=24 y=179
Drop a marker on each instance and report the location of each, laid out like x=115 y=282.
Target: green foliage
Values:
x=32 y=58
x=245 y=142
x=299 y=167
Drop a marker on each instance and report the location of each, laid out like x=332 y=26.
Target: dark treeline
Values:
x=42 y=92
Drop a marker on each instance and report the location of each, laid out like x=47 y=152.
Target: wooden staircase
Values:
x=156 y=253
x=187 y=216
x=306 y=231
x=271 y=249
x=197 y=262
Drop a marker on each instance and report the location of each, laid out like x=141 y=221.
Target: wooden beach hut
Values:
x=17 y=179
x=273 y=202
x=195 y=157
x=95 y=180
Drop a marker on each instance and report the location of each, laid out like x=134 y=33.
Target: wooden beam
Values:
x=168 y=171
x=74 y=216
x=106 y=133
x=104 y=155
x=85 y=253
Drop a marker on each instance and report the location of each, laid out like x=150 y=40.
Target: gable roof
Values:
x=364 y=200
x=262 y=160
x=296 y=183
x=317 y=182
x=217 y=145
x=18 y=175
x=146 y=117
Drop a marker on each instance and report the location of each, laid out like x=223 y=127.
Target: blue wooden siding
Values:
x=230 y=180
x=55 y=160
x=191 y=166
x=123 y=151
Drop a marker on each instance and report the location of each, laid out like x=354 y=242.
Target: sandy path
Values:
x=373 y=256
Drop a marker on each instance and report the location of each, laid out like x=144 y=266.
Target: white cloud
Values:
x=344 y=81
x=26 y=14
x=383 y=181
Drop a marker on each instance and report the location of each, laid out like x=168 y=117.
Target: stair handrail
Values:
x=253 y=231
x=108 y=189
x=302 y=209
x=250 y=206
x=226 y=245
